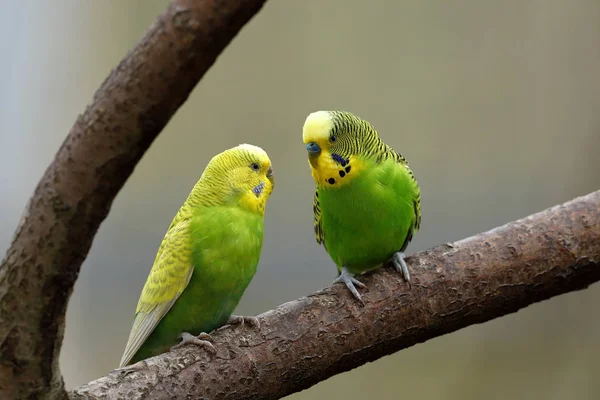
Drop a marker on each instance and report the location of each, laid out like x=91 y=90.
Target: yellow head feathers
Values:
x=242 y=175
x=338 y=132
x=339 y=145
x=317 y=127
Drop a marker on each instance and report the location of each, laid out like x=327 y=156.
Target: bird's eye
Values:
x=332 y=138
x=255 y=166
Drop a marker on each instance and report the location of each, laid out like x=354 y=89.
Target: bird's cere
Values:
x=313 y=148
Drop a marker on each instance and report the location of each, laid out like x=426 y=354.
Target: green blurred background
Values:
x=496 y=104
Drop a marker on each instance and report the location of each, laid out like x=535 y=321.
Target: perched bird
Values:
x=367 y=205
x=207 y=258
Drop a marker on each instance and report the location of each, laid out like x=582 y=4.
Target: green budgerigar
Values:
x=207 y=258
x=367 y=205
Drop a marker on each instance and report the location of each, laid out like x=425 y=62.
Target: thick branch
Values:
x=75 y=193
x=308 y=340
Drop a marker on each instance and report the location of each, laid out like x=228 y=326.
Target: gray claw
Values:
x=347 y=279
x=130 y=369
x=202 y=340
x=400 y=265
x=241 y=320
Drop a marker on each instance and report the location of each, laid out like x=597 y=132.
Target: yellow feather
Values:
x=168 y=278
x=324 y=167
x=231 y=177
x=319 y=127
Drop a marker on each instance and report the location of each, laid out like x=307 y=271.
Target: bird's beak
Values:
x=313 y=148
x=271 y=176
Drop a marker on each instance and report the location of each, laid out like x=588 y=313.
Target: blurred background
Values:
x=495 y=104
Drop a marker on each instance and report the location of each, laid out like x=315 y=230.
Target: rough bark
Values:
x=75 y=193
x=308 y=340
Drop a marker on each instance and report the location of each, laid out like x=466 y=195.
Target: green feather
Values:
x=367 y=205
x=225 y=260
x=208 y=255
x=367 y=221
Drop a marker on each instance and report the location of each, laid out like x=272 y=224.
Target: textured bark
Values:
x=73 y=197
x=308 y=340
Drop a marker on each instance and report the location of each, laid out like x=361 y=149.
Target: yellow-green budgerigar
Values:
x=207 y=258
x=367 y=205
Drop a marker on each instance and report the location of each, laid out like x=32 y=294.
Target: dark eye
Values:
x=255 y=166
x=332 y=138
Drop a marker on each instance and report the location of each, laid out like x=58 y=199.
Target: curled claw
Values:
x=400 y=265
x=202 y=340
x=241 y=320
x=347 y=279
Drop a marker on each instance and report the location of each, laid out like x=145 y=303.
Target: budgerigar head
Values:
x=243 y=174
x=333 y=139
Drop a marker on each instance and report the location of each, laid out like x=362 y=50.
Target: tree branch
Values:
x=75 y=193
x=308 y=340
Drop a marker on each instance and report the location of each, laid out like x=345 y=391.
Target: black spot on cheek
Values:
x=347 y=169
x=342 y=174
x=331 y=181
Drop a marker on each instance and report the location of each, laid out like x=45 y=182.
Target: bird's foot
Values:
x=202 y=340
x=241 y=320
x=347 y=279
x=130 y=369
x=400 y=265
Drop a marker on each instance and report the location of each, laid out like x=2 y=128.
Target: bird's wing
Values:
x=399 y=158
x=317 y=221
x=168 y=278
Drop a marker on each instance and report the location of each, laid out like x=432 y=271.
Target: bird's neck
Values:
x=208 y=192
x=332 y=171
x=214 y=192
